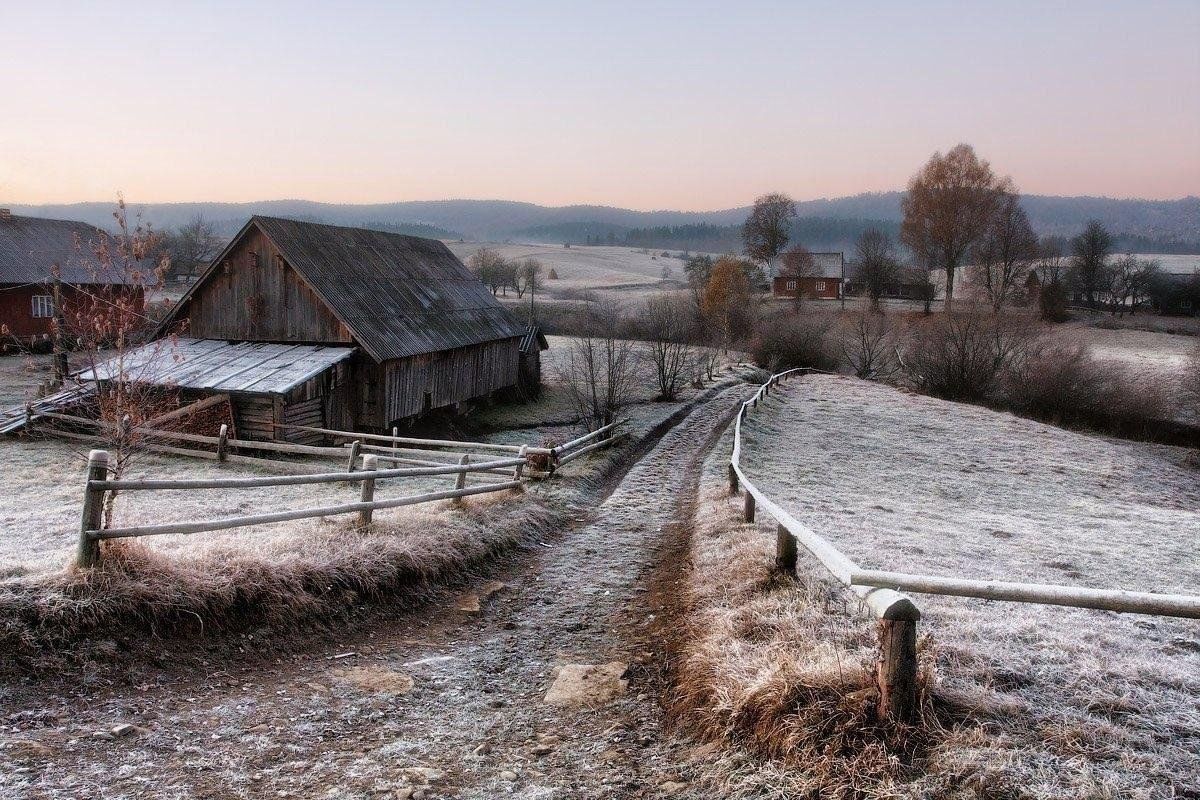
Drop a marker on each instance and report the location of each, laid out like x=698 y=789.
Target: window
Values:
x=820 y=286
x=791 y=286
x=43 y=305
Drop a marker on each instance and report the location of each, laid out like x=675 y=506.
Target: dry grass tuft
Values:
x=779 y=668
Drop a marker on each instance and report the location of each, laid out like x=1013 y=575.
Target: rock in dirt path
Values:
x=448 y=701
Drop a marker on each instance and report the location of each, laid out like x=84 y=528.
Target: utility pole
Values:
x=842 y=285
x=60 y=323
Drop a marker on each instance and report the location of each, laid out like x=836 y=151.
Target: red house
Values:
x=30 y=250
x=820 y=278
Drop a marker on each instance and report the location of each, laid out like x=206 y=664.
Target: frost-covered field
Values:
x=1091 y=703
x=1147 y=353
x=625 y=271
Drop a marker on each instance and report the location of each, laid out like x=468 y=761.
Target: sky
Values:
x=682 y=105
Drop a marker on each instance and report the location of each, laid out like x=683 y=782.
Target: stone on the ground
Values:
x=472 y=602
x=376 y=679
x=588 y=684
x=669 y=788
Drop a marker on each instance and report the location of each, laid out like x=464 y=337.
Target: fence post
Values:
x=785 y=550
x=395 y=438
x=460 y=480
x=222 y=443
x=733 y=479
x=519 y=470
x=88 y=553
x=368 y=490
x=896 y=669
x=748 y=508
x=355 y=446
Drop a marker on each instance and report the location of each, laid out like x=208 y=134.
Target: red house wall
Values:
x=806 y=286
x=16 y=307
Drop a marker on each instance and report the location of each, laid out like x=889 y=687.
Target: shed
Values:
x=32 y=251
x=423 y=332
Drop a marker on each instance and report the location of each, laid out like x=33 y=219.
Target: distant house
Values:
x=312 y=325
x=32 y=250
x=823 y=280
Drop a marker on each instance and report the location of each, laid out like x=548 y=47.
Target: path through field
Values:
x=444 y=702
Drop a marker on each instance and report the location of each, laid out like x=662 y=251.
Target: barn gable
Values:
x=396 y=296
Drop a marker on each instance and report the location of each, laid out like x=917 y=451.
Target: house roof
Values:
x=255 y=367
x=399 y=295
x=30 y=247
x=825 y=265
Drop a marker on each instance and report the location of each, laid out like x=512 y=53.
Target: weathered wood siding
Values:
x=256 y=296
x=436 y=380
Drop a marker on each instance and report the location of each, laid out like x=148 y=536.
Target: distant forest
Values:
x=1146 y=226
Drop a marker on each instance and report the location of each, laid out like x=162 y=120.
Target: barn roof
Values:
x=256 y=367
x=31 y=246
x=825 y=265
x=399 y=295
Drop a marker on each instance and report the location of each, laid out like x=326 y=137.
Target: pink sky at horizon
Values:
x=672 y=105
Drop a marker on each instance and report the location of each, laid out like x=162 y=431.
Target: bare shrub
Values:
x=667 y=322
x=791 y=341
x=1064 y=383
x=599 y=368
x=868 y=344
x=964 y=355
x=576 y=294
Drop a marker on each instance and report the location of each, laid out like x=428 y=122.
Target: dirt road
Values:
x=444 y=702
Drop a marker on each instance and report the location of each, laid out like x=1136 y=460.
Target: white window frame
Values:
x=42 y=306
x=820 y=286
x=791 y=286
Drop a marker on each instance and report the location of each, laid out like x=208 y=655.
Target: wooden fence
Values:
x=880 y=591
x=513 y=466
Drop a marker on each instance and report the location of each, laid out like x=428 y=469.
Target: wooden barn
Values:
x=32 y=249
x=822 y=280
x=345 y=328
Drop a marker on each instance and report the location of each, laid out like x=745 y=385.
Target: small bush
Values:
x=787 y=342
x=576 y=294
x=1052 y=302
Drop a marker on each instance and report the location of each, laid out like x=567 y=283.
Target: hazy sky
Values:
x=688 y=105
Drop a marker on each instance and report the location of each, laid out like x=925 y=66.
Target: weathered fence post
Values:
x=395 y=439
x=355 y=446
x=460 y=480
x=785 y=550
x=896 y=669
x=88 y=553
x=748 y=508
x=733 y=479
x=519 y=470
x=223 y=443
x=370 y=464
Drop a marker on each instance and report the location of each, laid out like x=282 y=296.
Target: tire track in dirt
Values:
x=439 y=702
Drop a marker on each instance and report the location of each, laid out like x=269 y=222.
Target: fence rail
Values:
x=881 y=591
x=512 y=467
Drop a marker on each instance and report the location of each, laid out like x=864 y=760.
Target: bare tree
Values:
x=1130 y=281
x=1089 y=261
x=798 y=264
x=875 y=260
x=869 y=344
x=948 y=208
x=765 y=231
x=1006 y=253
x=491 y=268
x=1051 y=272
x=667 y=323
x=600 y=367
x=527 y=276
x=108 y=328
x=965 y=355
x=192 y=246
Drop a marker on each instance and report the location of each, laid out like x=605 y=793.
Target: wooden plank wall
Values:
x=255 y=296
x=449 y=377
